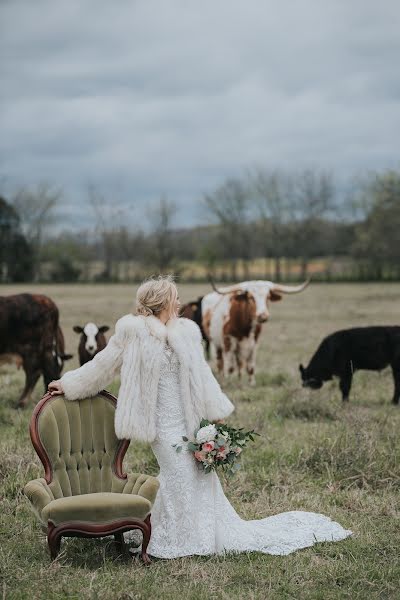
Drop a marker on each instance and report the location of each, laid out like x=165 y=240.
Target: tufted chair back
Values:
x=77 y=445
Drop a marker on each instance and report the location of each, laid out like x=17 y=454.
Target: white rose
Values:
x=206 y=434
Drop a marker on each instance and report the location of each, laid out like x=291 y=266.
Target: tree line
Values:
x=273 y=214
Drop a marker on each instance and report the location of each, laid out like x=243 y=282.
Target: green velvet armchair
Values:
x=84 y=491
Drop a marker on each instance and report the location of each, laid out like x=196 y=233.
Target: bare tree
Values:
x=110 y=224
x=313 y=200
x=35 y=207
x=377 y=235
x=229 y=205
x=273 y=193
x=359 y=200
x=162 y=248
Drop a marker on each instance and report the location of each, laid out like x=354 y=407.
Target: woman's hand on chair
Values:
x=55 y=388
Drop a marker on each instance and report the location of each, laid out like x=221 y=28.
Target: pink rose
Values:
x=238 y=450
x=200 y=456
x=208 y=446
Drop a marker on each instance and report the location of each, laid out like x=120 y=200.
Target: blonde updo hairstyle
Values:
x=155 y=294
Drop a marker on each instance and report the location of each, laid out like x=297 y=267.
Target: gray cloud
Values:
x=150 y=97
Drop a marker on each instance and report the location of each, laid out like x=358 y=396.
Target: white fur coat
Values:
x=135 y=349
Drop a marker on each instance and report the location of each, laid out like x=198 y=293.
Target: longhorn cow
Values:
x=232 y=319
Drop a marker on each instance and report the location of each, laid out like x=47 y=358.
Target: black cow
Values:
x=192 y=310
x=30 y=334
x=91 y=342
x=346 y=351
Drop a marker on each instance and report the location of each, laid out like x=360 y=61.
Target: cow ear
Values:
x=103 y=328
x=78 y=329
x=301 y=369
x=274 y=297
x=66 y=356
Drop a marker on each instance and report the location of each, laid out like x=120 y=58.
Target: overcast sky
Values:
x=144 y=98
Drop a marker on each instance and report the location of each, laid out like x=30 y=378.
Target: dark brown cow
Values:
x=30 y=333
x=91 y=342
x=192 y=310
x=232 y=320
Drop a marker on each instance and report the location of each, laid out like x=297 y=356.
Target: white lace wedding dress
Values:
x=192 y=515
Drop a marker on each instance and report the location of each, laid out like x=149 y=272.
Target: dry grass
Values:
x=314 y=454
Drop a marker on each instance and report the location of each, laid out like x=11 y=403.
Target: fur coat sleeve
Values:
x=96 y=374
x=218 y=405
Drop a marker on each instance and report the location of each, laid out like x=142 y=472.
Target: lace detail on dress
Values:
x=192 y=515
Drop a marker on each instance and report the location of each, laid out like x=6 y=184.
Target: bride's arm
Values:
x=96 y=374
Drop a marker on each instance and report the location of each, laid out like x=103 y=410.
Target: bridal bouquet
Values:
x=217 y=446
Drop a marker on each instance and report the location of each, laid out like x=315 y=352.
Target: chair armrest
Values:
x=39 y=494
x=149 y=489
x=142 y=485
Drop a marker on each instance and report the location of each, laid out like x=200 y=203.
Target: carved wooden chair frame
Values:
x=80 y=528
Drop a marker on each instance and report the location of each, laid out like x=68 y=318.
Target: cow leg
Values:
x=230 y=346
x=220 y=360
x=50 y=368
x=396 y=377
x=32 y=374
x=248 y=357
x=345 y=385
x=251 y=373
x=207 y=349
x=239 y=361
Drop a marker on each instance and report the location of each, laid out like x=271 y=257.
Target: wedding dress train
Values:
x=192 y=515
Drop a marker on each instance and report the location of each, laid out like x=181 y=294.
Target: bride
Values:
x=167 y=387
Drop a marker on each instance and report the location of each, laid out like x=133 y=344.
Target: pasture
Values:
x=313 y=454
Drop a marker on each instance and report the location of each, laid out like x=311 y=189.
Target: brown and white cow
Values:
x=31 y=337
x=233 y=318
x=91 y=342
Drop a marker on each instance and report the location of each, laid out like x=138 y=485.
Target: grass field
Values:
x=313 y=454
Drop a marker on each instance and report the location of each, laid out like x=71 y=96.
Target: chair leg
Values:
x=146 y=539
x=53 y=540
x=119 y=542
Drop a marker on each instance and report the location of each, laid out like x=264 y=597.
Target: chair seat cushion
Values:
x=96 y=508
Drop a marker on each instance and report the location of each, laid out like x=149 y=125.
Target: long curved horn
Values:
x=290 y=289
x=224 y=290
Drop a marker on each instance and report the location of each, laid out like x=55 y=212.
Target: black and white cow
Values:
x=91 y=342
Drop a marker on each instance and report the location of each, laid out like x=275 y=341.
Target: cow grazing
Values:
x=92 y=340
x=30 y=335
x=192 y=310
x=233 y=317
x=344 y=352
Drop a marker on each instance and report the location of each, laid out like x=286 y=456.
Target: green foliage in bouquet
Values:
x=217 y=446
